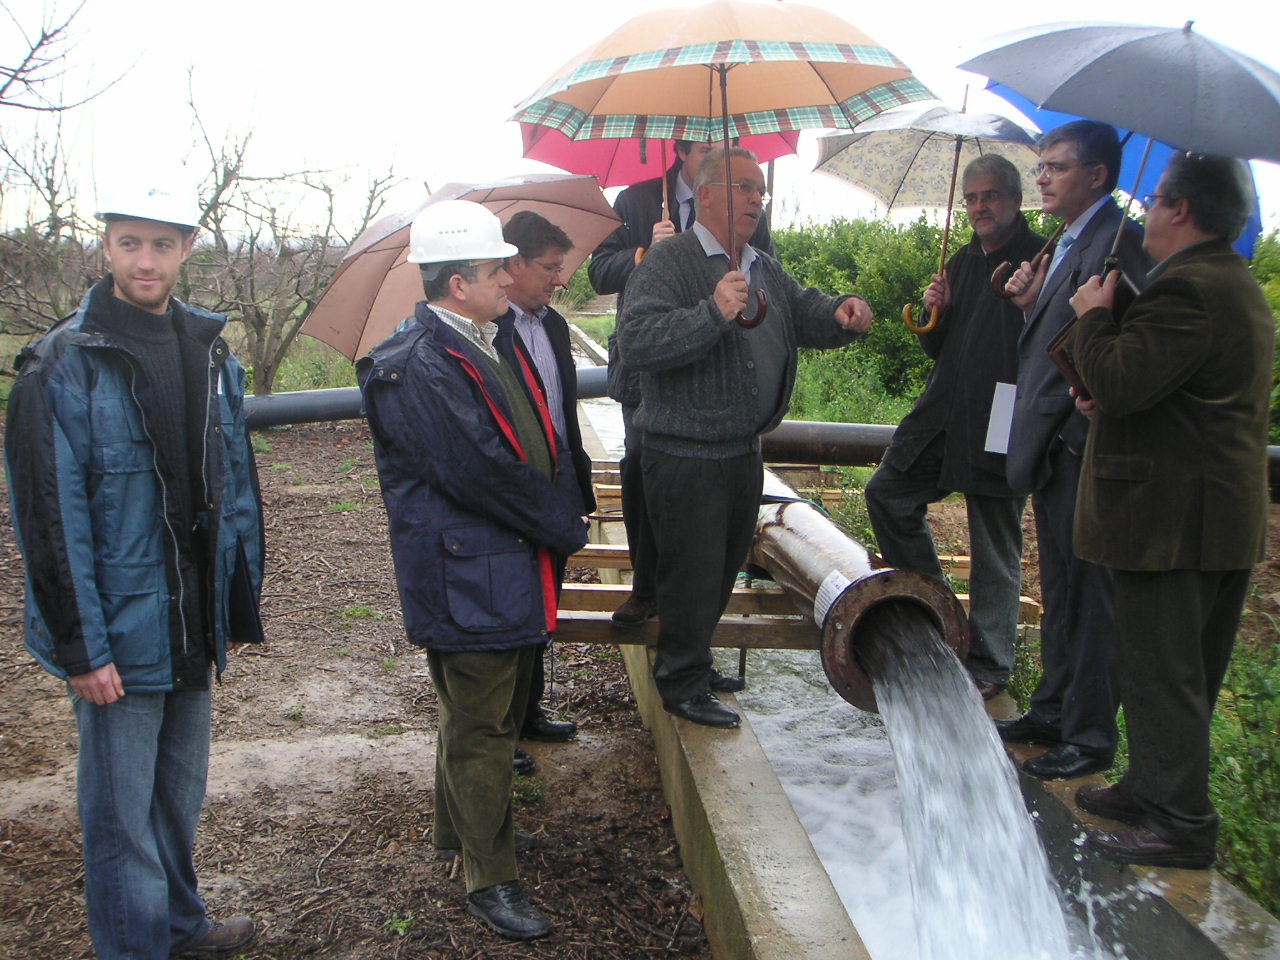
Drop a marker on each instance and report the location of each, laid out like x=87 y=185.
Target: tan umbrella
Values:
x=375 y=288
x=719 y=70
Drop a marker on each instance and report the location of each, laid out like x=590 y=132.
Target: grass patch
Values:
x=360 y=611
x=401 y=925
x=528 y=792
x=295 y=712
x=347 y=465
x=596 y=327
x=280 y=467
x=259 y=443
x=389 y=664
x=387 y=730
x=342 y=506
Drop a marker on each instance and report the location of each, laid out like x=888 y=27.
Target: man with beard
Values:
x=941 y=445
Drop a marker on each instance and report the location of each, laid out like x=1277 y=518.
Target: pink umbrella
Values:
x=622 y=162
x=375 y=288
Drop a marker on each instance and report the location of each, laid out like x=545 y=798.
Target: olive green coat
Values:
x=1175 y=466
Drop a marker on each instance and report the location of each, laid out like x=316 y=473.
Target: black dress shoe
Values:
x=1111 y=802
x=634 y=612
x=224 y=937
x=524 y=843
x=1144 y=846
x=1028 y=729
x=506 y=909
x=705 y=709
x=722 y=684
x=1066 y=761
x=523 y=764
x=543 y=728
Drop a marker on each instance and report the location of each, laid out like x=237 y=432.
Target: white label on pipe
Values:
x=828 y=593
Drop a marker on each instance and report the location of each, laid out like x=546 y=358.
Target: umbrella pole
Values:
x=666 y=185
x=762 y=301
x=942 y=264
x=1113 y=258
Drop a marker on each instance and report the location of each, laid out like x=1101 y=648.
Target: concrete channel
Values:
x=765 y=893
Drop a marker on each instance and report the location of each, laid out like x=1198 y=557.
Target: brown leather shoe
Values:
x=1143 y=846
x=634 y=612
x=989 y=688
x=225 y=937
x=1109 y=801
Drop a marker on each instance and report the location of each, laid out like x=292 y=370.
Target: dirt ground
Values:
x=319 y=808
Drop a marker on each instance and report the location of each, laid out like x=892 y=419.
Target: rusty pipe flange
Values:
x=840 y=626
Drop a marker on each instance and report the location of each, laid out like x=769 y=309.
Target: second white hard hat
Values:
x=454 y=231
x=143 y=202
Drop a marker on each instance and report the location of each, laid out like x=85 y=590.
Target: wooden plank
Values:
x=749 y=601
x=608 y=555
x=779 y=633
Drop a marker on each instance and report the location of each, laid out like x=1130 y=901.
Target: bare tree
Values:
x=270 y=244
x=26 y=82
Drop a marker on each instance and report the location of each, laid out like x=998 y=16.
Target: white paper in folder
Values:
x=1001 y=421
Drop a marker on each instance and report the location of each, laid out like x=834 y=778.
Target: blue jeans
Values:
x=141 y=780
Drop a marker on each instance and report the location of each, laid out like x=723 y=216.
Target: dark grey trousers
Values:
x=1176 y=630
x=1077 y=694
x=704 y=515
x=897 y=502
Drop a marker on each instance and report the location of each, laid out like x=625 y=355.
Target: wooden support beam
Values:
x=779 y=633
x=744 y=601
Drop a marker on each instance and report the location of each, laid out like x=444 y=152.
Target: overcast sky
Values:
x=427 y=86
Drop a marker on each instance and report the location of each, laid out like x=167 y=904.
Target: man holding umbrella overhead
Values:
x=709 y=387
x=641 y=207
x=1073 y=709
x=1173 y=495
x=465 y=462
x=941 y=447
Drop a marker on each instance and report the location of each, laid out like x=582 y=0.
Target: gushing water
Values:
x=979 y=876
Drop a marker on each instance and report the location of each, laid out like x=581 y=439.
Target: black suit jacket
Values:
x=508 y=342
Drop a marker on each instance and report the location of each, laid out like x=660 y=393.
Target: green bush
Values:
x=1244 y=772
x=577 y=293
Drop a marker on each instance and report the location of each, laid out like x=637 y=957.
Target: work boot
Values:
x=522 y=763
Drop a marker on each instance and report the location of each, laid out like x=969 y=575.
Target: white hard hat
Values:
x=453 y=231
x=150 y=203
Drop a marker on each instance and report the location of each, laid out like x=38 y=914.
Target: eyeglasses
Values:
x=986 y=196
x=1150 y=199
x=553 y=269
x=746 y=189
x=1054 y=170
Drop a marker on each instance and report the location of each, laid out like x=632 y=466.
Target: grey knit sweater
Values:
x=698 y=372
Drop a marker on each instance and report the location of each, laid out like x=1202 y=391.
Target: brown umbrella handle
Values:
x=762 y=308
x=919 y=329
x=1000 y=276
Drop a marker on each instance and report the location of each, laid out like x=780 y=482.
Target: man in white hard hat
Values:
x=136 y=508
x=465 y=462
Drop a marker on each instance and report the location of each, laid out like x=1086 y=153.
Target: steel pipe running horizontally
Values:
x=836 y=580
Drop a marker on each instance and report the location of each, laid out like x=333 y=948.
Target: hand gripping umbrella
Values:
x=664 y=75
x=913 y=157
x=375 y=288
